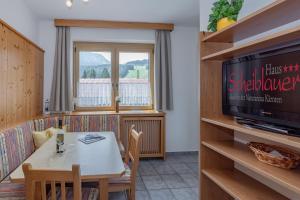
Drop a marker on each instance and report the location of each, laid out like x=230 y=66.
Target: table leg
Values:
x=103 y=189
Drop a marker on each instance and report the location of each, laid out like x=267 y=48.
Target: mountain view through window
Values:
x=96 y=79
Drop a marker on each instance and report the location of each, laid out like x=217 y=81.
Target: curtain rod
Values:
x=113 y=24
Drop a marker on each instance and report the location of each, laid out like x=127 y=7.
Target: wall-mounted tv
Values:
x=264 y=86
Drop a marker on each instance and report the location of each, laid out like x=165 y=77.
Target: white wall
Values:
x=182 y=123
x=46 y=40
x=20 y=17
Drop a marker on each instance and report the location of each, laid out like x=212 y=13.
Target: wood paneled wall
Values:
x=21 y=78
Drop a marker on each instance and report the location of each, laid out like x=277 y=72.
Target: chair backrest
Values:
x=132 y=156
x=39 y=178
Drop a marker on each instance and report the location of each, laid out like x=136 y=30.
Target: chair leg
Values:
x=131 y=194
x=127 y=194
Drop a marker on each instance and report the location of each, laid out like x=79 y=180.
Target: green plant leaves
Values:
x=221 y=9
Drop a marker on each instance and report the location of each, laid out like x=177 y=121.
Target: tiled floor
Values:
x=176 y=178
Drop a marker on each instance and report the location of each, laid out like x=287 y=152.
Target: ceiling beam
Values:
x=113 y=24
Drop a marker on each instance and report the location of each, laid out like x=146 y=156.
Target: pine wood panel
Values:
x=240 y=186
x=11 y=90
x=218 y=149
x=260 y=44
x=20 y=35
x=260 y=21
x=290 y=141
x=3 y=74
x=210 y=190
x=113 y=24
x=211 y=79
x=21 y=78
x=241 y=154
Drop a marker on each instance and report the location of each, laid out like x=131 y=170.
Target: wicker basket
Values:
x=283 y=158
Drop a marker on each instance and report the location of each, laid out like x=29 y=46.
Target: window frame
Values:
x=115 y=49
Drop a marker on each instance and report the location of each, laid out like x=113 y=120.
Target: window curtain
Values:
x=61 y=92
x=163 y=71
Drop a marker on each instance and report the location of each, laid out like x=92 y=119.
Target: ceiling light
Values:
x=69 y=3
x=85 y=1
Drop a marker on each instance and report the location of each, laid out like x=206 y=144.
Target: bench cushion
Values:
x=12 y=191
x=16 y=145
x=92 y=123
x=45 y=123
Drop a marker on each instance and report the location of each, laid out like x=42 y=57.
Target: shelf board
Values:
x=272 y=40
x=267 y=18
x=241 y=186
x=241 y=154
x=278 y=138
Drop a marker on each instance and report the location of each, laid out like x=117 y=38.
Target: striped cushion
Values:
x=123 y=179
x=87 y=193
x=45 y=123
x=92 y=123
x=16 y=145
x=12 y=191
x=6 y=180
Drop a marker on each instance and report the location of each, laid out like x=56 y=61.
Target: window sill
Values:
x=125 y=112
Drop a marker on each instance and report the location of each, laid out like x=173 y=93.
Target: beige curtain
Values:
x=61 y=92
x=163 y=71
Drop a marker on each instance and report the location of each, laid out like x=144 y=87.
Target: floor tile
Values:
x=164 y=168
x=165 y=194
x=175 y=178
x=181 y=168
x=172 y=159
x=142 y=195
x=154 y=182
x=138 y=173
x=117 y=196
x=158 y=161
x=196 y=190
x=184 y=194
x=194 y=166
x=174 y=181
x=140 y=184
x=190 y=158
x=146 y=169
x=190 y=179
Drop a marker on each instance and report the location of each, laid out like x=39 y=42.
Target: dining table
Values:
x=99 y=161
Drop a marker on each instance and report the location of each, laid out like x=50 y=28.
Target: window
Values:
x=104 y=71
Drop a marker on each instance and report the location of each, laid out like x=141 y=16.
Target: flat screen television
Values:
x=264 y=86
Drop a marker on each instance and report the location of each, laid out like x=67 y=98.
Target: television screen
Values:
x=264 y=86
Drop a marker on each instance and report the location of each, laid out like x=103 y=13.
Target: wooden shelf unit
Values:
x=241 y=186
x=220 y=154
x=241 y=154
x=257 y=45
x=293 y=142
x=263 y=20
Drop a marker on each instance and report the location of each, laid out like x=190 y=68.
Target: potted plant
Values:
x=224 y=13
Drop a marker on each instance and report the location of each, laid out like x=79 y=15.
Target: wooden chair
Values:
x=36 y=180
x=128 y=180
